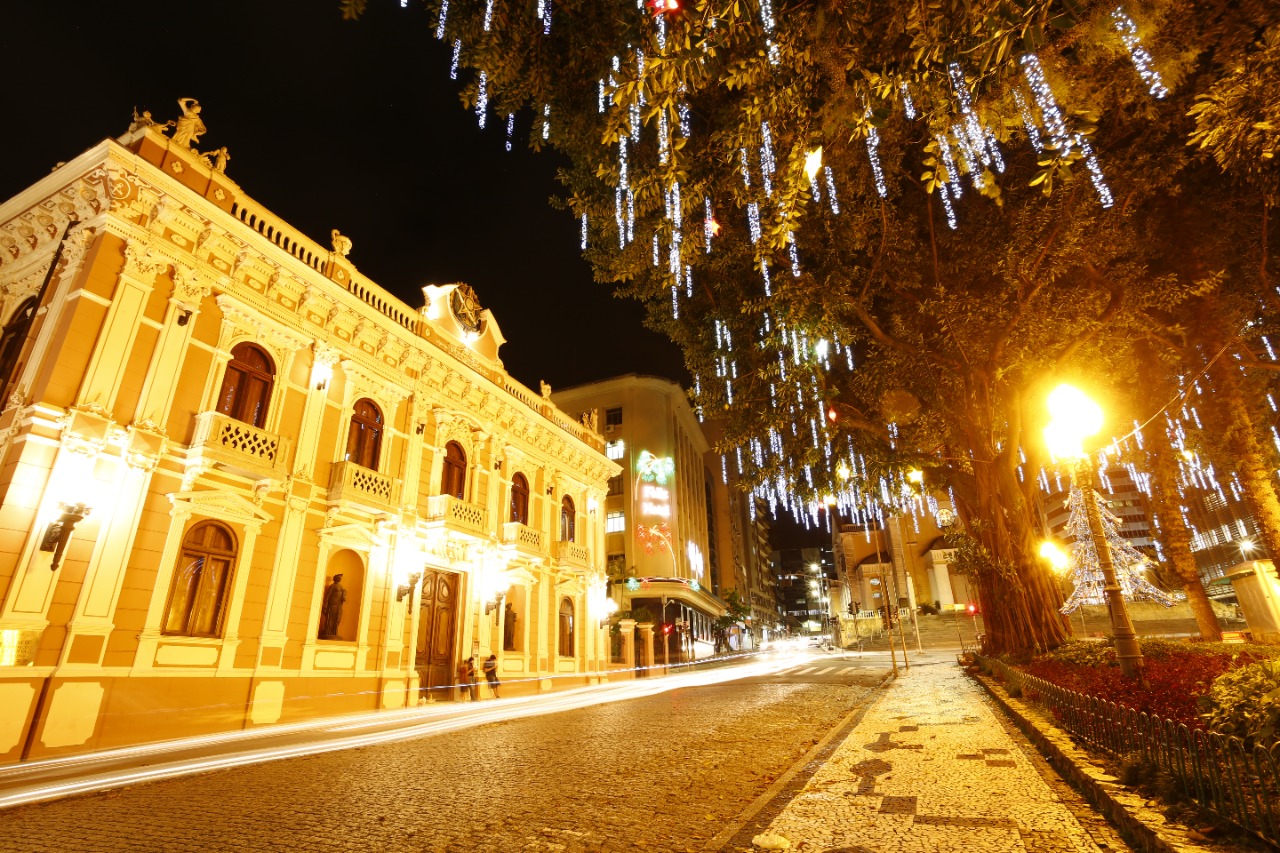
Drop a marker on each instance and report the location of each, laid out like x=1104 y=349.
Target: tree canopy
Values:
x=881 y=232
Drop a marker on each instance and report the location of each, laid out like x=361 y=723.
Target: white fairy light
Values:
x=746 y=168
x=661 y=21
x=619 y=217
x=631 y=216
x=948 y=161
x=908 y=105
x=684 y=120
x=664 y=132
x=457 y=54
x=544 y=12
x=656 y=260
x=795 y=255
x=753 y=221
x=633 y=116
x=873 y=154
x=584 y=232
x=488 y=15
x=946 y=204
x=993 y=147
x=546 y=121
x=768 y=165
x=600 y=97
x=1033 y=130
x=767 y=22
x=708 y=224
x=444 y=15
x=764 y=272
x=970 y=157
x=688 y=281
x=1270 y=352
x=511 y=128
x=831 y=190
x=482 y=98
x=1054 y=122
x=1095 y=171
x=675 y=300
x=814 y=189
x=1142 y=60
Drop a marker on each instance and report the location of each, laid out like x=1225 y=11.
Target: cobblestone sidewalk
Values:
x=931 y=767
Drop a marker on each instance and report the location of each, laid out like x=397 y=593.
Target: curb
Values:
x=1144 y=827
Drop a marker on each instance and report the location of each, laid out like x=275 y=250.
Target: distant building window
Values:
x=453 y=477
x=615 y=449
x=566 y=628
x=613 y=417
x=198 y=593
x=364 y=439
x=566 y=519
x=520 y=499
x=246 y=385
x=615 y=522
x=615 y=485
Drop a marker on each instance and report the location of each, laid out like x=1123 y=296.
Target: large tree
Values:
x=979 y=226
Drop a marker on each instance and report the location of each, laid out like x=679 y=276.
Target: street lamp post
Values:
x=1076 y=417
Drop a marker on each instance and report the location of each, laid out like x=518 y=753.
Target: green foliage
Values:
x=1091 y=653
x=1245 y=702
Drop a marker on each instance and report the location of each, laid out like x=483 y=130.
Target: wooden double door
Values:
x=437 y=630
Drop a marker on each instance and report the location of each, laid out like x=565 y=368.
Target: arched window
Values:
x=520 y=499
x=566 y=519
x=453 y=479
x=198 y=595
x=364 y=439
x=566 y=628
x=246 y=386
x=15 y=335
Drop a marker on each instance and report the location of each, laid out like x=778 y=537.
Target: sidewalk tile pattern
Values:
x=930 y=768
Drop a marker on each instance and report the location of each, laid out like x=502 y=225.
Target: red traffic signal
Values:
x=666 y=628
x=973 y=608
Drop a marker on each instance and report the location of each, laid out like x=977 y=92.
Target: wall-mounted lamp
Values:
x=610 y=608
x=58 y=533
x=407 y=588
x=497 y=465
x=491 y=605
x=184 y=317
x=550 y=490
x=421 y=428
x=321 y=373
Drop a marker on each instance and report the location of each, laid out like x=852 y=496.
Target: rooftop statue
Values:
x=217 y=159
x=341 y=243
x=189 y=128
x=145 y=120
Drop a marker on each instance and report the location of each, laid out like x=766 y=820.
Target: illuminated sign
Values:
x=654 y=469
x=655 y=500
x=652 y=474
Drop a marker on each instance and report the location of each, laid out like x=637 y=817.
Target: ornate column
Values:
x=646 y=646
x=628 y=629
x=189 y=291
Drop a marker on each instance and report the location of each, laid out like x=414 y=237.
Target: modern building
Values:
x=805 y=576
x=241 y=483
x=678 y=538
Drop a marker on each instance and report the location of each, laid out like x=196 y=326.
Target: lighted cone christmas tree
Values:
x=1126 y=560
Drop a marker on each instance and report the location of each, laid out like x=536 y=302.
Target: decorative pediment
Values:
x=249 y=321
x=219 y=504
x=358 y=537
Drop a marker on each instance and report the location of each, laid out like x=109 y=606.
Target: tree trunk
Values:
x=1252 y=464
x=1177 y=539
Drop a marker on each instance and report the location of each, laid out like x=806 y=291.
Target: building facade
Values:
x=677 y=541
x=242 y=484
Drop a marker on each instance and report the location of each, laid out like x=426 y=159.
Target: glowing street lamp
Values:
x=1075 y=418
x=1053 y=555
x=1247 y=547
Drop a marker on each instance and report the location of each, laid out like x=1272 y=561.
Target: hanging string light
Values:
x=664 y=140
x=753 y=222
x=908 y=106
x=767 y=163
x=1033 y=130
x=546 y=121
x=584 y=232
x=482 y=98
x=831 y=190
x=767 y=22
x=457 y=54
x=444 y=15
x=1142 y=60
x=544 y=12
x=949 y=162
x=511 y=128
x=710 y=227
x=946 y=204
x=795 y=255
x=684 y=120
x=746 y=168
x=488 y=14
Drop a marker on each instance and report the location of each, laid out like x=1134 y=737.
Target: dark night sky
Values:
x=334 y=124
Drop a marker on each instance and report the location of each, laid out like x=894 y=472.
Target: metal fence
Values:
x=1239 y=783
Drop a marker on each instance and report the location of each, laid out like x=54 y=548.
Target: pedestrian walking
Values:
x=491 y=674
x=473 y=679
x=466 y=679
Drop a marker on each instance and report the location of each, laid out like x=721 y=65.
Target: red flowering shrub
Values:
x=1177 y=674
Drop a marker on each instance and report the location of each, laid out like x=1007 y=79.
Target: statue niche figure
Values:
x=509 y=629
x=335 y=596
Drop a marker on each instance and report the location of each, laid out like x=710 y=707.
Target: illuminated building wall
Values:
x=659 y=544
x=206 y=417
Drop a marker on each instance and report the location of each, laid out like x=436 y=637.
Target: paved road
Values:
x=664 y=773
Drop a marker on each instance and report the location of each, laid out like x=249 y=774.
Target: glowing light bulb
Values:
x=812 y=163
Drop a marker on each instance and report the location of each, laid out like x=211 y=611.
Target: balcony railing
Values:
x=524 y=539
x=572 y=554
x=362 y=488
x=458 y=515
x=239 y=447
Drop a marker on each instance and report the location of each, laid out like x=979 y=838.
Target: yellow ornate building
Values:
x=207 y=417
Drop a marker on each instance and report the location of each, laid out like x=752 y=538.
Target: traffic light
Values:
x=973 y=608
x=666 y=628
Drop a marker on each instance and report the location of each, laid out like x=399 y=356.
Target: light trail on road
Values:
x=330 y=735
